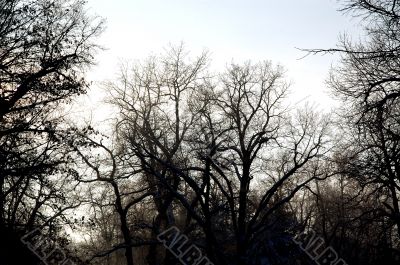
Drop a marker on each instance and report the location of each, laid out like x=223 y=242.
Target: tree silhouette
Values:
x=44 y=46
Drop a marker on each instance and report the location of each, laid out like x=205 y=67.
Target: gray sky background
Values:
x=232 y=30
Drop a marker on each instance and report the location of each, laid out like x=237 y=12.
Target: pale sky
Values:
x=235 y=30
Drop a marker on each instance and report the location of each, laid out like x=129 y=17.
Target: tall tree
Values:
x=45 y=45
x=154 y=103
x=247 y=137
x=367 y=82
x=121 y=183
x=207 y=143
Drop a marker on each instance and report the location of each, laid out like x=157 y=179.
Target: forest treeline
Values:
x=219 y=156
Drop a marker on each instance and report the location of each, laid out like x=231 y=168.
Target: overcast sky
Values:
x=231 y=30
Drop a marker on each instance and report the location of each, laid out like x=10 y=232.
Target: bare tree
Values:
x=155 y=110
x=233 y=134
x=367 y=81
x=247 y=143
x=44 y=48
x=109 y=168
